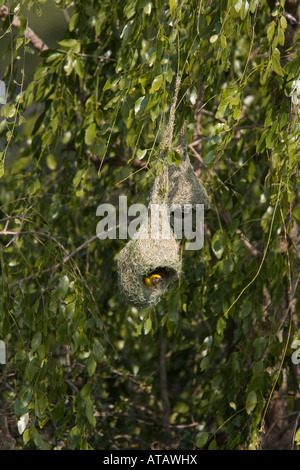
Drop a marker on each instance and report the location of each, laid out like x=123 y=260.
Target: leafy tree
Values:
x=82 y=121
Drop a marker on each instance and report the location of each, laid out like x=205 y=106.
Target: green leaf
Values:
x=107 y=84
x=245 y=8
x=147 y=8
x=36 y=341
x=260 y=345
x=63 y=287
x=73 y=21
x=89 y=409
x=209 y=157
x=92 y=364
x=246 y=308
x=98 y=351
x=22 y=423
x=68 y=67
x=156 y=84
x=141 y=153
x=218 y=244
x=213 y=38
x=26 y=436
x=297 y=437
x=19 y=43
x=296 y=213
x=51 y=161
x=79 y=176
x=85 y=392
x=58 y=411
x=78 y=67
x=202 y=439
x=205 y=363
x=172 y=4
x=212 y=445
x=90 y=134
x=276 y=62
x=169 y=75
x=33 y=368
x=281 y=37
x=232 y=405
x=238 y=5
x=154 y=112
x=140 y=105
x=221 y=325
x=152 y=59
x=251 y=402
x=147 y=326
x=271 y=30
x=9 y=110
x=70 y=43
x=283 y=23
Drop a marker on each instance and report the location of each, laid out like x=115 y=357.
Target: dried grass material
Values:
x=145 y=255
x=178 y=184
x=183 y=185
x=148 y=253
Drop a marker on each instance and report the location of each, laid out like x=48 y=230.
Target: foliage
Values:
x=84 y=370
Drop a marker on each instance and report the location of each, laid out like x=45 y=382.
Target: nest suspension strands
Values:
x=183 y=187
x=180 y=183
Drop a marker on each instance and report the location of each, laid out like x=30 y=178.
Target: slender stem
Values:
x=164 y=386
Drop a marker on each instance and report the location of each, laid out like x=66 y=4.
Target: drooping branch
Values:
x=292 y=16
x=277 y=407
x=118 y=160
x=164 y=386
x=37 y=43
x=34 y=39
x=66 y=258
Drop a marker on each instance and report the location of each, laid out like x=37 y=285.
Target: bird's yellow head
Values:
x=153 y=280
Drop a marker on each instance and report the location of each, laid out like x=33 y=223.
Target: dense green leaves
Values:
x=82 y=123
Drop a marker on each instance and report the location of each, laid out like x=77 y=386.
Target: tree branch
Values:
x=16 y=234
x=66 y=258
x=35 y=41
x=291 y=14
x=118 y=160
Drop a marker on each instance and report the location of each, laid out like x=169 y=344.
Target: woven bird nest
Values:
x=147 y=253
x=154 y=249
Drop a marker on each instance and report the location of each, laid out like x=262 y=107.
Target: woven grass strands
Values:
x=154 y=248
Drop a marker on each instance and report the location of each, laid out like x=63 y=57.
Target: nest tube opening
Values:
x=143 y=256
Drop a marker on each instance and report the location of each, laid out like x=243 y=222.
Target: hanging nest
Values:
x=145 y=254
x=152 y=252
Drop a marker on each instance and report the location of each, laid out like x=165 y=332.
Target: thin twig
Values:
x=164 y=386
x=37 y=43
x=65 y=259
x=20 y=228
x=33 y=38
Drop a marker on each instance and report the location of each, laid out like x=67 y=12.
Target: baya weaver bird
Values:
x=152 y=280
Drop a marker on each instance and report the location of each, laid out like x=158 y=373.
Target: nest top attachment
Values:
x=178 y=185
